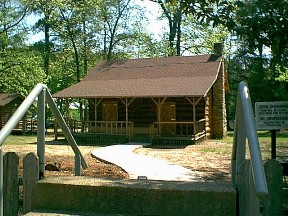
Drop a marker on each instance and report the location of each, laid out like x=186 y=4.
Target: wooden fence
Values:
x=15 y=188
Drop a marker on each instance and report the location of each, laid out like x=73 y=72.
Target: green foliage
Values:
x=20 y=71
x=283 y=74
x=20 y=67
x=199 y=38
x=62 y=71
x=263 y=23
x=212 y=11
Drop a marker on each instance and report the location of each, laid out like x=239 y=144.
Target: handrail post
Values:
x=64 y=128
x=77 y=165
x=41 y=133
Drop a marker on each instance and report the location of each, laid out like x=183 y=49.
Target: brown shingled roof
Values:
x=151 y=77
x=7 y=98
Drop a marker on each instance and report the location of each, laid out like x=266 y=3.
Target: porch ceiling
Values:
x=159 y=77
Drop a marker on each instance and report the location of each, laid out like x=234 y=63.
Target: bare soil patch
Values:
x=63 y=155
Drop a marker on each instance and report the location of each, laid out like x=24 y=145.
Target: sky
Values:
x=153 y=11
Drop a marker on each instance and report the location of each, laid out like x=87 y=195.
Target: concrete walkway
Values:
x=137 y=165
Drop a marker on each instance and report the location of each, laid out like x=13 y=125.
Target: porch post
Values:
x=97 y=102
x=194 y=103
x=159 y=104
x=95 y=115
x=127 y=104
x=194 y=118
x=159 y=117
x=126 y=108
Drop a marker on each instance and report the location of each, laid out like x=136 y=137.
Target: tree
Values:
x=19 y=66
x=118 y=27
x=173 y=11
x=24 y=72
x=199 y=38
x=262 y=25
x=46 y=8
x=189 y=21
x=12 y=14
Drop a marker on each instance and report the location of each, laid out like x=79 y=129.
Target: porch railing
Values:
x=107 y=127
x=41 y=92
x=251 y=186
x=111 y=127
x=195 y=130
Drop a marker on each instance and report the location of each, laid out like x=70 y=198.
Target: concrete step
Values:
x=69 y=214
x=47 y=214
x=94 y=196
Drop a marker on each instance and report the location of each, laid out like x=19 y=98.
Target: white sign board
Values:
x=271 y=115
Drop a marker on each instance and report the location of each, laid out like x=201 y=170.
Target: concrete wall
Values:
x=135 y=197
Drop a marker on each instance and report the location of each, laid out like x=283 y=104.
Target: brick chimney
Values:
x=218 y=49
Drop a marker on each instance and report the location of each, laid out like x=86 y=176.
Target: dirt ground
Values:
x=210 y=158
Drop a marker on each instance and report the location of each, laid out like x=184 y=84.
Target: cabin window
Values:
x=110 y=111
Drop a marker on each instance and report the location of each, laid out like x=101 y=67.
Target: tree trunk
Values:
x=46 y=45
x=178 y=20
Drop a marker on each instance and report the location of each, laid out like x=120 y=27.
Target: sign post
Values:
x=272 y=116
x=273 y=144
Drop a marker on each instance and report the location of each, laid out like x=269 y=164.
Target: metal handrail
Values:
x=41 y=91
x=245 y=128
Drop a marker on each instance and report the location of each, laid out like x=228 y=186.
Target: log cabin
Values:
x=169 y=100
x=8 y=105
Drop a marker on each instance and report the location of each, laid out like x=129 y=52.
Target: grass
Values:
x=209 y=149
x=20 y=139
x=16 y=139
x=264 y=140
x=265 y=143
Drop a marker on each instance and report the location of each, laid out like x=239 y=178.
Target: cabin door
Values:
x=110 y=111
x=168 y=117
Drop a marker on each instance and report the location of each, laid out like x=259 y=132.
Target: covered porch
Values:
x=165 y=120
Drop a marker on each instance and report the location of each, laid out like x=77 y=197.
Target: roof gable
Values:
x=151 y=77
